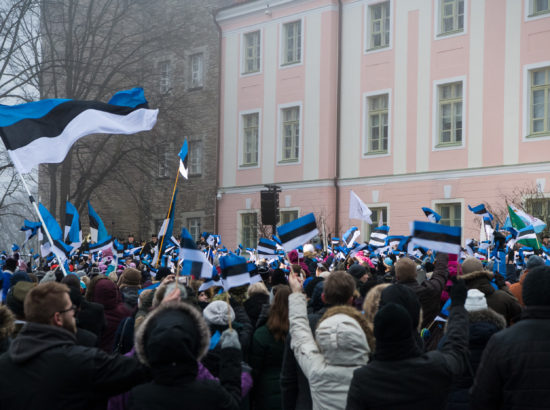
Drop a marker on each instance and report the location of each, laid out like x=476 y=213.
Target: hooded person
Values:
x=258 y=296
x=532 y=263
x=170 y=342
x=129 y=284
x=7 y=327
x=500 y=300
x=515 y=365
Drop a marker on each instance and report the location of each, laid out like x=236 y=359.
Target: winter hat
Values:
x=278 y=278
x=293 y=256
x=19 y=276
x=16 y=297
x=130 y=277
x=216 y=313
x=405 y=269
x=475 y=301
x=534 y=261
x=392 y=323
x=357 y=271
x=388 y=262
x=308 y=248
x=404 y=296
x=471 y=264
x=536 y=287
x=162 y=273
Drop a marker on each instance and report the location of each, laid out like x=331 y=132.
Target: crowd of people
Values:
x=441 y=332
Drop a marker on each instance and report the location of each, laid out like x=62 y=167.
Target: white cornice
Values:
x=240 y=10
x=285 y=186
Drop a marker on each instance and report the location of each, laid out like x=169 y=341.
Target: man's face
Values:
x=154 y=239
x=68 y=320
x=130 y=239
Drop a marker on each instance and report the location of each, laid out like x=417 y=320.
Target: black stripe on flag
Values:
x=436 y=236
x=234 y=270
x=298 y=232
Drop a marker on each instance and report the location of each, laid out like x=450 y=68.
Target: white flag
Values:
x=358 y=209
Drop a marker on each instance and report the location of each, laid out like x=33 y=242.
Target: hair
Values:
x=338 y=288
x=296 y=268
x=43 y=301
x=277 y=321
x=322 y=268
x=257 y=288
x=71 y=281
x=405 y=269
x=370 y=307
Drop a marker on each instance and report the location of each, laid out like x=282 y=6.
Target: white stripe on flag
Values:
x=300 y=240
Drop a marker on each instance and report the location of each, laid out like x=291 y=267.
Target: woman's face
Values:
x=203 y=297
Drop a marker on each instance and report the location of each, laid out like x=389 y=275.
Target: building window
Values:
x=249 y=227
x=451 y=214
x=379 y=25
x=195 y=157
x=539 y=208
x=291 y=134
x=451 y=16
x=163 y=160
x=450 y=114
x=287 y=216
x=251 y=55
x=540 y=102
x=377 y=124
x=196 y=70
x=250 y=139
x=539 y=7
x=165 y=73
x=194 y=227
x=292 y=37
x=378 y=217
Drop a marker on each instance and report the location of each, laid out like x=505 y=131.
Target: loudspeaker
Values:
x=270 y=207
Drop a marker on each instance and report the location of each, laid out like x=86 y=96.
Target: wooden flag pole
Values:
x=169 y=211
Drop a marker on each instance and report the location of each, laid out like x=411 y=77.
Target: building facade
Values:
x=409 y=103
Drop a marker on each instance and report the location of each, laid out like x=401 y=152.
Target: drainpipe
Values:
x=338 y=119
x=218 y=151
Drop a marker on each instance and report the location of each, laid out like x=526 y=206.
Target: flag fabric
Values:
x=518 y=224
x=437 y=237
x=104 y=245
x=31 y=229
x=267 y=247
x=480 y=210
x=431 y=215
x=60 y=249
x=526 y=236
x=184 y=169
x=394 y=241
x=487 y=231
x=73 y=229
x=97 y=228
x=166 y=229
x=351 y=236
x=44 y=131
x=537 y=224
x=297 y=232
x=358 y=209
x=234 y=271
x=194 y=261
x=378 y=236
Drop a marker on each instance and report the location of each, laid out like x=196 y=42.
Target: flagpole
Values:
x=169 y=210
x=33 y=202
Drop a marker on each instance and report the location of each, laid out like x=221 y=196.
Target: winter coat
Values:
x=328 y=361
x=170 y=341
x=45 y=369
x=516 y=288
x=429 y=290
x=91 y=317
x=420 y=381
x=501 y=301
x=107 y=294
x=515 y=366
x=253 y=306
x=266 y=357
x=483 y=324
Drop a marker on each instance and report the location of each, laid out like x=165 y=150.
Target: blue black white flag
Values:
x=31 y=229
x=166 y=229
x=480 y=210
x=97 y=228
x=184 y=169
x=234 y=271
x=437 y=237
x=267 y=247
x=44 y=131
x=297 y=232
x=60 y=249
x=431 y=215
x=351 y=235
x=105 y=245
x=194 y=261
x=73 y=229
x=378 y=236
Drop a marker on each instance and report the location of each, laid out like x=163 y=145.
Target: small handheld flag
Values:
x=431 y=215
x=194 y=261
x=183 y=160
x=480 y=210
x=437 y=237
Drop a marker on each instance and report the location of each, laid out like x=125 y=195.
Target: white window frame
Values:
x=436 y=202
x=437 y=22
x=193 y=86
x=367 y=36
x=282 y=43
x=198 y=236
x=366 y=227
x=190 y=165
x=292 y=209
x=240 y=224
x=166 y=88
x=242 y=53
x=435 y=113
x=280 y=108
x=528 y=12
x=365 y=153
x=527 y=101
x=241 y=138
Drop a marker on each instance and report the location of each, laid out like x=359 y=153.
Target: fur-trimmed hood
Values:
x=489 y=316
x=161 y=321
x=468 y=277
x=6 y=323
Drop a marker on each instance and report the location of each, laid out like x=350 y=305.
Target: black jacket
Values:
x=45 y=369
x=91 y=317
x=515 y=366
x=421 y=381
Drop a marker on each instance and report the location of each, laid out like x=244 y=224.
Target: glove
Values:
x=459 y=292
x=230 y=339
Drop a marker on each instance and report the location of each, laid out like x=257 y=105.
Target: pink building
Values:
x=409 y=103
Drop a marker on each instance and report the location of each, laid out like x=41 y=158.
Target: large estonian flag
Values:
x=97 y=228
x=267 y=247
x=194 y=261
x=297 y=232
x=73 y=229
x=44 y=131
x=437 y=237
x=235 y=271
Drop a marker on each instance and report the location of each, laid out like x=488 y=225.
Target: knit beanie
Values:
x=16 y=297
x=216 y=313
x=19 y=276
x=475 y=301
x=357 y=271
x=130 y=277
x=392 y=323
x=534 y=261
x=471 y=264
x=536 y=287
x=403 y=296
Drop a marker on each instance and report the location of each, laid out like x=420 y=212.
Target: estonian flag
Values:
x=194 y=262
x=480 y=210
x=234 y=271
x=97 y=228
x=267 y=247
x=183 y=160
x=436 y=237
x=297 y=232
x=431 y=214
x=378 y=236
x=44 y=131
x=73 y=229
x=30 y=228
x=107 y=244
x=165 y=232
x=60 y=249
x=351 y=235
